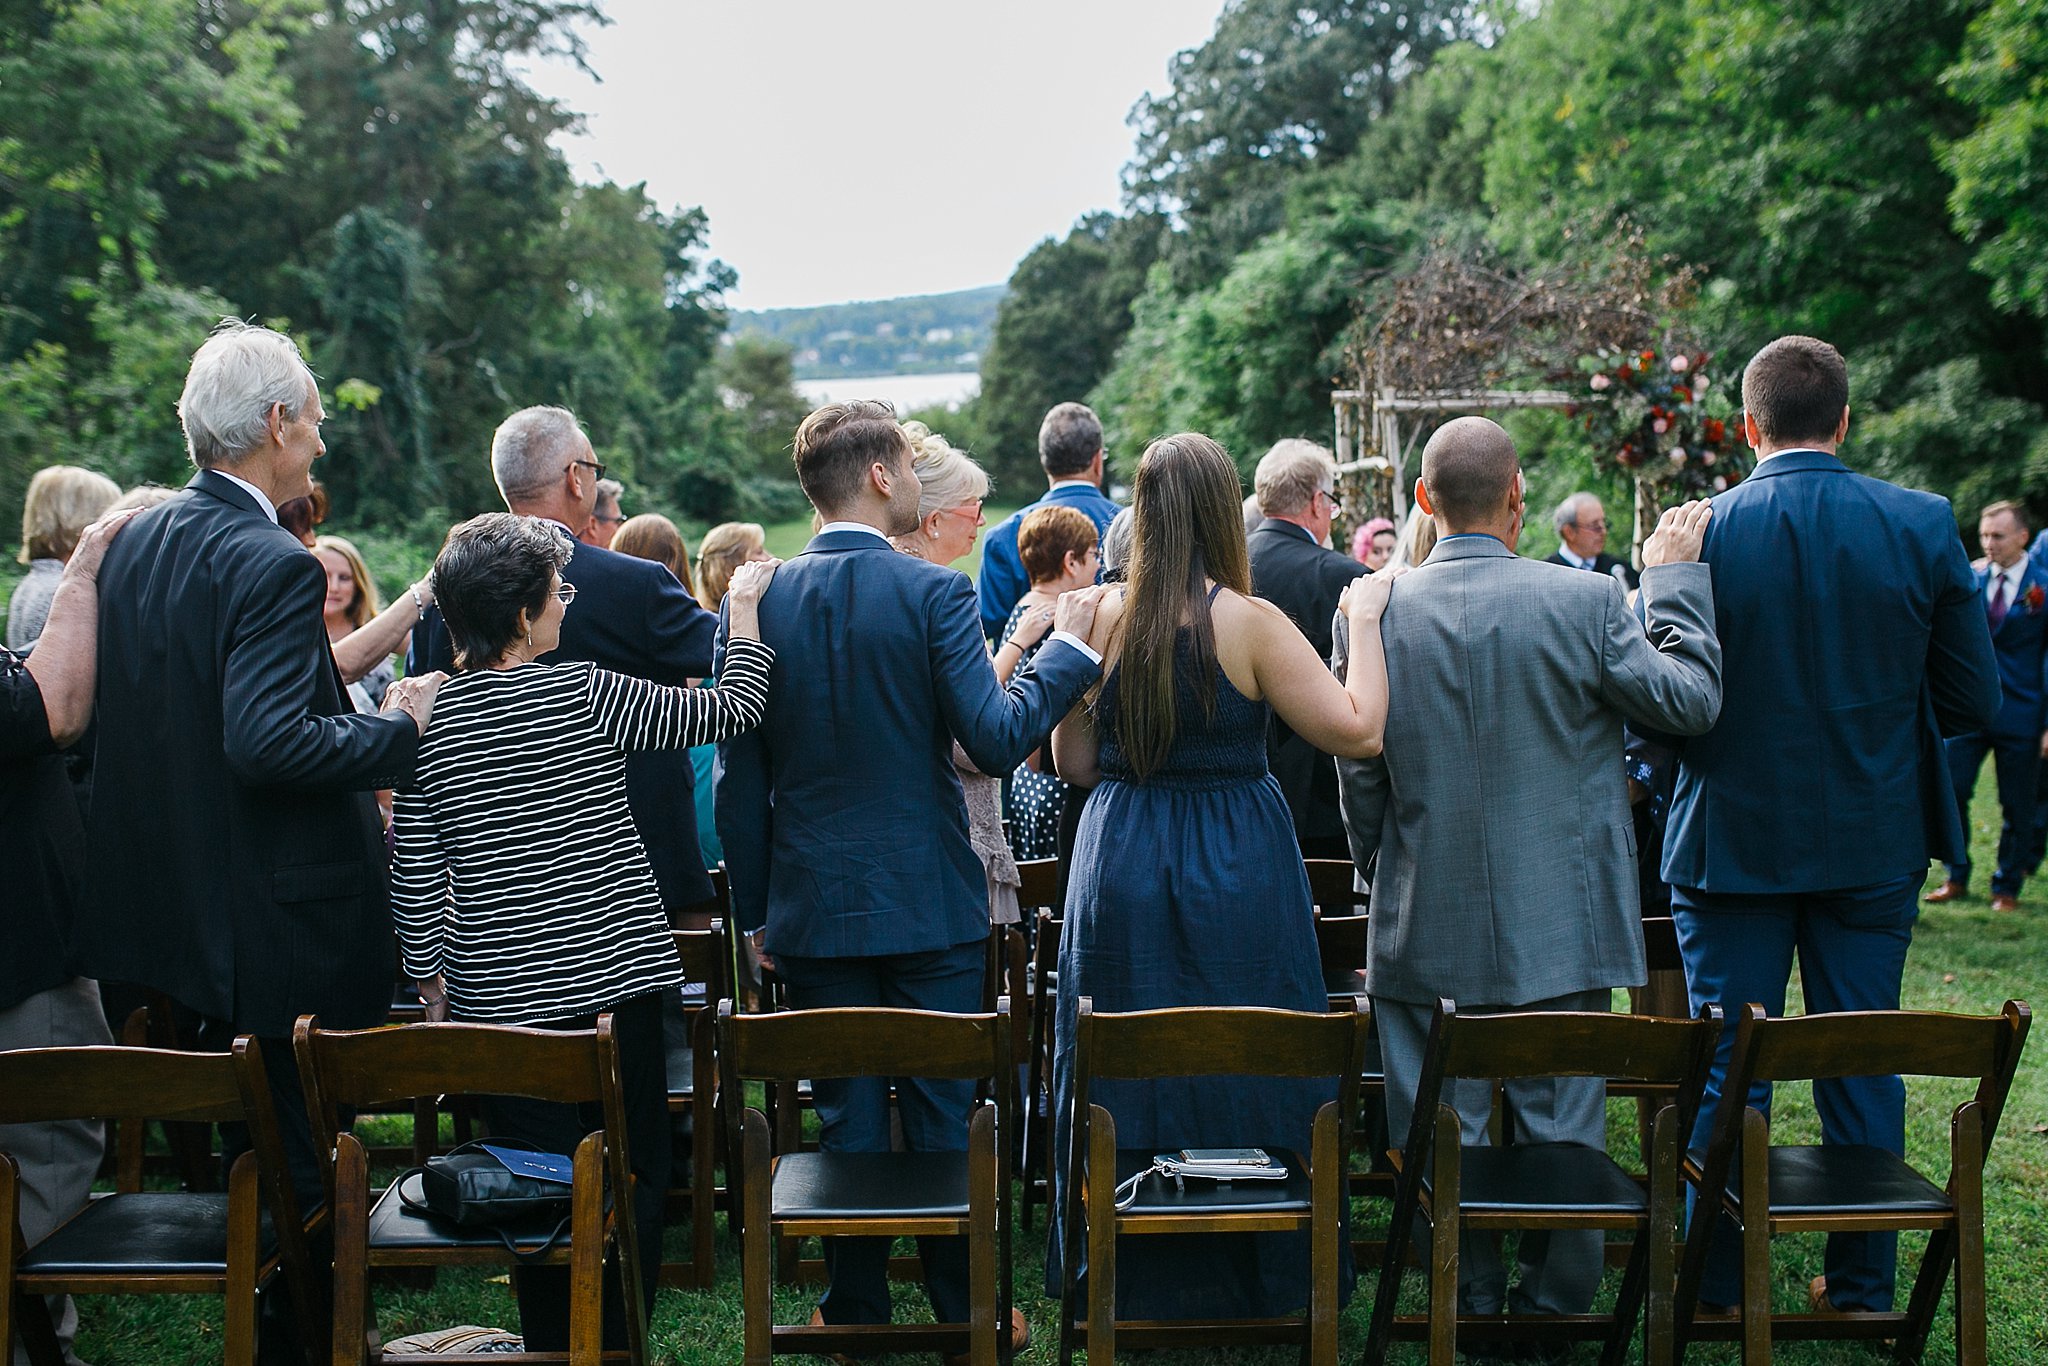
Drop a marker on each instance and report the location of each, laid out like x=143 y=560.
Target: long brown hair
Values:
x=1187 y=527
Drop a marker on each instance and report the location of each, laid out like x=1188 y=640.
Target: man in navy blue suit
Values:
x=2015 y=594
x=631 y=617
x=844 y=827
x=1852 y=639
x=1070 y=449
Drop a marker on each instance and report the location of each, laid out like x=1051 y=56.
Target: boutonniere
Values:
x=2034 y=597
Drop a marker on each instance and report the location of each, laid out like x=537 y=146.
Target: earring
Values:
x=933 y=532
x=529 y=637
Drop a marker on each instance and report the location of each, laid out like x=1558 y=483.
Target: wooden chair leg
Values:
x=238 y=1312
x=981 y=1238
x=1658 y=1317
x=1326 y=1190
x=755 y=1271
x=1966 y=1190
x=1756 y=1240
x=1407 y=1203
x=1443 y=1242
x=351 y=1250
x=586 y=1251
x=1101 y=1237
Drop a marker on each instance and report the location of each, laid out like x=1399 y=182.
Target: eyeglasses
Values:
x=1335 y=506
x=590 y=465
x=565 y=593
x=966 y=512
x=1600 y=525
x=617 y=518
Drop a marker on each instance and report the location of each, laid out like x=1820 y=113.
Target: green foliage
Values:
x=2000 y=197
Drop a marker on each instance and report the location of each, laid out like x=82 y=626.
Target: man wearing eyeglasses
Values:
x=607 y=517
x=631 y=617
x=1581 y=524
x=1294 y=568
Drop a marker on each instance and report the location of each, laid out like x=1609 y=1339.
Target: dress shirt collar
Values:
x=263 y=502
x=876 y=532
x=1075 y=482
x=1573 y=558
x=2012 y=577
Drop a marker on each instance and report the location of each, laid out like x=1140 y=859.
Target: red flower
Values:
x=1716 y=430
x=2033 y=598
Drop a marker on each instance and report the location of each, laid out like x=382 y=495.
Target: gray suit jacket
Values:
x=1499 y=811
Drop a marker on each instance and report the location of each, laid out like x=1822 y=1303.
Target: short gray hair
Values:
x=612 y=489
x=530 y=450
x=1116 y=546
x=949 y=475
x=1069 y=440
x=238 y=374
x=1291 y=474
x=1568 y=511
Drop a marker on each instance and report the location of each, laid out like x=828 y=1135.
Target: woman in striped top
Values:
x=522 y=892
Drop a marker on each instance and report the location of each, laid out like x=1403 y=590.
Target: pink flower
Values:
x=1707 y=459
x=1599 y=382
x=1660 y=426
x=1720 y=484
x=1679 y=362
x=1678 y=455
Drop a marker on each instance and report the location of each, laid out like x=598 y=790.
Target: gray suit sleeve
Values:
x=1665 y=674
x=1361 y=783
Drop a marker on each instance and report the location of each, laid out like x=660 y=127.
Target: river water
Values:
x=905 y=392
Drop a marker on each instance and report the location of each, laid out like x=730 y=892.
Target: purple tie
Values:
x=1996 y=612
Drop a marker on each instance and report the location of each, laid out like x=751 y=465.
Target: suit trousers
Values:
x=1559 y=1270
x=543 y=1291
x=2018 y=761
x=853 y=1113
x=1852 y=947
x=59 y=1159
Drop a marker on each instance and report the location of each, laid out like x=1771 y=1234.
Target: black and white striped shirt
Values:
x=519 y=873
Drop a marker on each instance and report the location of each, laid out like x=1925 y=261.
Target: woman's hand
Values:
x=433 y=995
x=743 y=596
x=1364 y=599
x=1032 y=627
x=84 y=564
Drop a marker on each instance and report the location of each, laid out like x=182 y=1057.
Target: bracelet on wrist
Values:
x=418 y=603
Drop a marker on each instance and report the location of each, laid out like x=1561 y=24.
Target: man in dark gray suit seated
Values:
x=1499 y=811
x=844 y=825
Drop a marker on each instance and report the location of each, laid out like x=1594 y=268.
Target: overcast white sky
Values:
x=869 y=148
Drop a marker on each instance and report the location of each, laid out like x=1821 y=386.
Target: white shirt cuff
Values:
x=1070 y=638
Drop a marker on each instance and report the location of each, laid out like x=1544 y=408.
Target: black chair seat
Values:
x=815 y=1185
x=1161 y=1195
x=1845 y=1179
x=150 y=1233
x=682 y=1070
x=1532 y=1177
x=394 y=1226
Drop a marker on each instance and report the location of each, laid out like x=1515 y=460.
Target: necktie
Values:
x=1996 y=612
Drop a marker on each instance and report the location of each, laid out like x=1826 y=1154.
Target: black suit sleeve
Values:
x=24 y=724
x=679 y=631
x=275 y=651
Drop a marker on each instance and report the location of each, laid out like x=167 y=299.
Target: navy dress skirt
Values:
x=1188 y=890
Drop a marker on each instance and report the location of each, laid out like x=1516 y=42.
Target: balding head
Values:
x=1471 y=475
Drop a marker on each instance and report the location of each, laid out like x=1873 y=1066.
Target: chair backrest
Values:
x=38 y=1085
x=1660 y=944
x=1039 y=887
x=707 y=958
x=793 y=1045
x=1333 y=886
x=1341 y=941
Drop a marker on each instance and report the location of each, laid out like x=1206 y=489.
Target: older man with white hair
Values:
x=1581 y=525
x=1294 y=568
x=235 y=854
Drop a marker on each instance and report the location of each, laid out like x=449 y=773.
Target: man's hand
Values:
x=433 y=994
x=414 y=696
x=84 y=563
x=1679 y=535
x=2044 y=744
x=1075 y=611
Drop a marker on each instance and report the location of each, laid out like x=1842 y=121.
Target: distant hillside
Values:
x=921 y=334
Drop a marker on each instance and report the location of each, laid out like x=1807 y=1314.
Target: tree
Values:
x=2000 y=199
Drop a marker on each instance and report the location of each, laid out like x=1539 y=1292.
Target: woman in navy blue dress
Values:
x=1188 y=887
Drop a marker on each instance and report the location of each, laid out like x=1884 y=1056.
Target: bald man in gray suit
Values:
x=1499 y=812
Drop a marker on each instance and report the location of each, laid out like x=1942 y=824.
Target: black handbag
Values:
x=470 y=1188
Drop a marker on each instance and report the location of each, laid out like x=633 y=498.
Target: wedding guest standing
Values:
x=351 y=604
x=516 y=839
x=723 y=550
x=1061 y=552
x=1373 y=544
x=60 y=502
x=1804 y=820
x=651 y=536
x=845 y=829
x=1216 y=911
x=1070 y=449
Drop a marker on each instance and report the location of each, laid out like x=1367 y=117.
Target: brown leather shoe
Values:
x=2001 y=901
x=836 y=1358
x=1020 y=1338
x=1817 y=1296
x=1947 y=891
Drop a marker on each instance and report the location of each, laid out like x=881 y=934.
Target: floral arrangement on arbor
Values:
x=1659 y=417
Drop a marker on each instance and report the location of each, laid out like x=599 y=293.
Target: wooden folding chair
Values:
x=351 y=1068
x=1660 y=956
x=1037 y=1126
x=137 y=1242
x=1333 y=887
x=1771 y=1188
x=1208 y=1041
x=693 y=1091
x=1543 y=1185
x=798 y=1194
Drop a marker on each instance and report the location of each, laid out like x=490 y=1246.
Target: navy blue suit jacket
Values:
x=1852 y=639
x=2021 y=643
x=844 y=826
x=630 y=616
x=1003 y=580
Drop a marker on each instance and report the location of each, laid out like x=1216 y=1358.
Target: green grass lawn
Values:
x=789 y=538
x=1964 y=958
